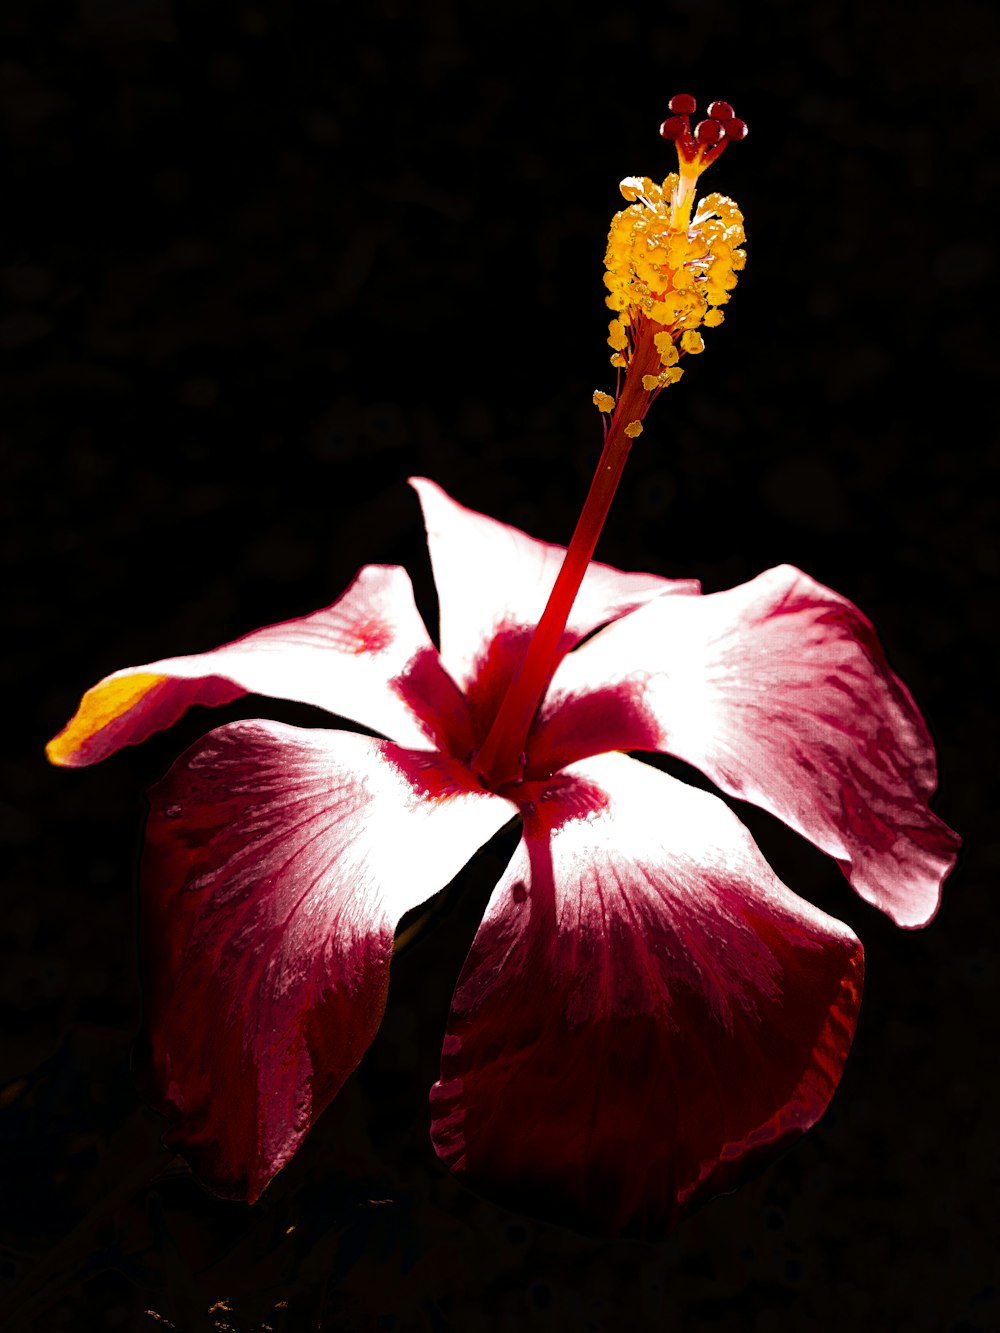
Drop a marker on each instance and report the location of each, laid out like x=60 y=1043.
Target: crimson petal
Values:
x=780 y=692
x=366 y=657
x=277 y=864
x=492 y=579
x=645 y=1010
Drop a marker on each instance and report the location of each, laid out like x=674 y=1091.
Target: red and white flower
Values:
x=645 y=1008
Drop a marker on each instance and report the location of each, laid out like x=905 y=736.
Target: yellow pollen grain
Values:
x=617 y=337
x=664 y=344
x=603 y=401
x=618 y=360
x=633 y=429
x=650 y=382
x=692 y=342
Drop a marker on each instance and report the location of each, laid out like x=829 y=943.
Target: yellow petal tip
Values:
x=100 y=706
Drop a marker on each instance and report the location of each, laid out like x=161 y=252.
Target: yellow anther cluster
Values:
x=675 y=276
x=603 y=401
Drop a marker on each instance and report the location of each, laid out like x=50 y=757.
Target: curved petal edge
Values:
x=277 y=864
x=780 y=692
x=646 y=1010
x=367 y=657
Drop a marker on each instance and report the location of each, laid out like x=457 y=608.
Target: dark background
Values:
x=263 y=261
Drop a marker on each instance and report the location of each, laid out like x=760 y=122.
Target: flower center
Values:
x=667 y=274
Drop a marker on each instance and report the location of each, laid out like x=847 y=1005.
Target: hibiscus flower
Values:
x=641 y=976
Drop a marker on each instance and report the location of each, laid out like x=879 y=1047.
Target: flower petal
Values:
x=645 y=1010
x=493 y=579
x=780 y=692
x=278 y=862
x=366 y=657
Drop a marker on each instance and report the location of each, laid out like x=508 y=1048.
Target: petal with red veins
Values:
x=277 y=864
x=645 y=1010
x=780 y=692
x=367 y=657
x=494 y=581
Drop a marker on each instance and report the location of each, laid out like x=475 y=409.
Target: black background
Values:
x=261 y=263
